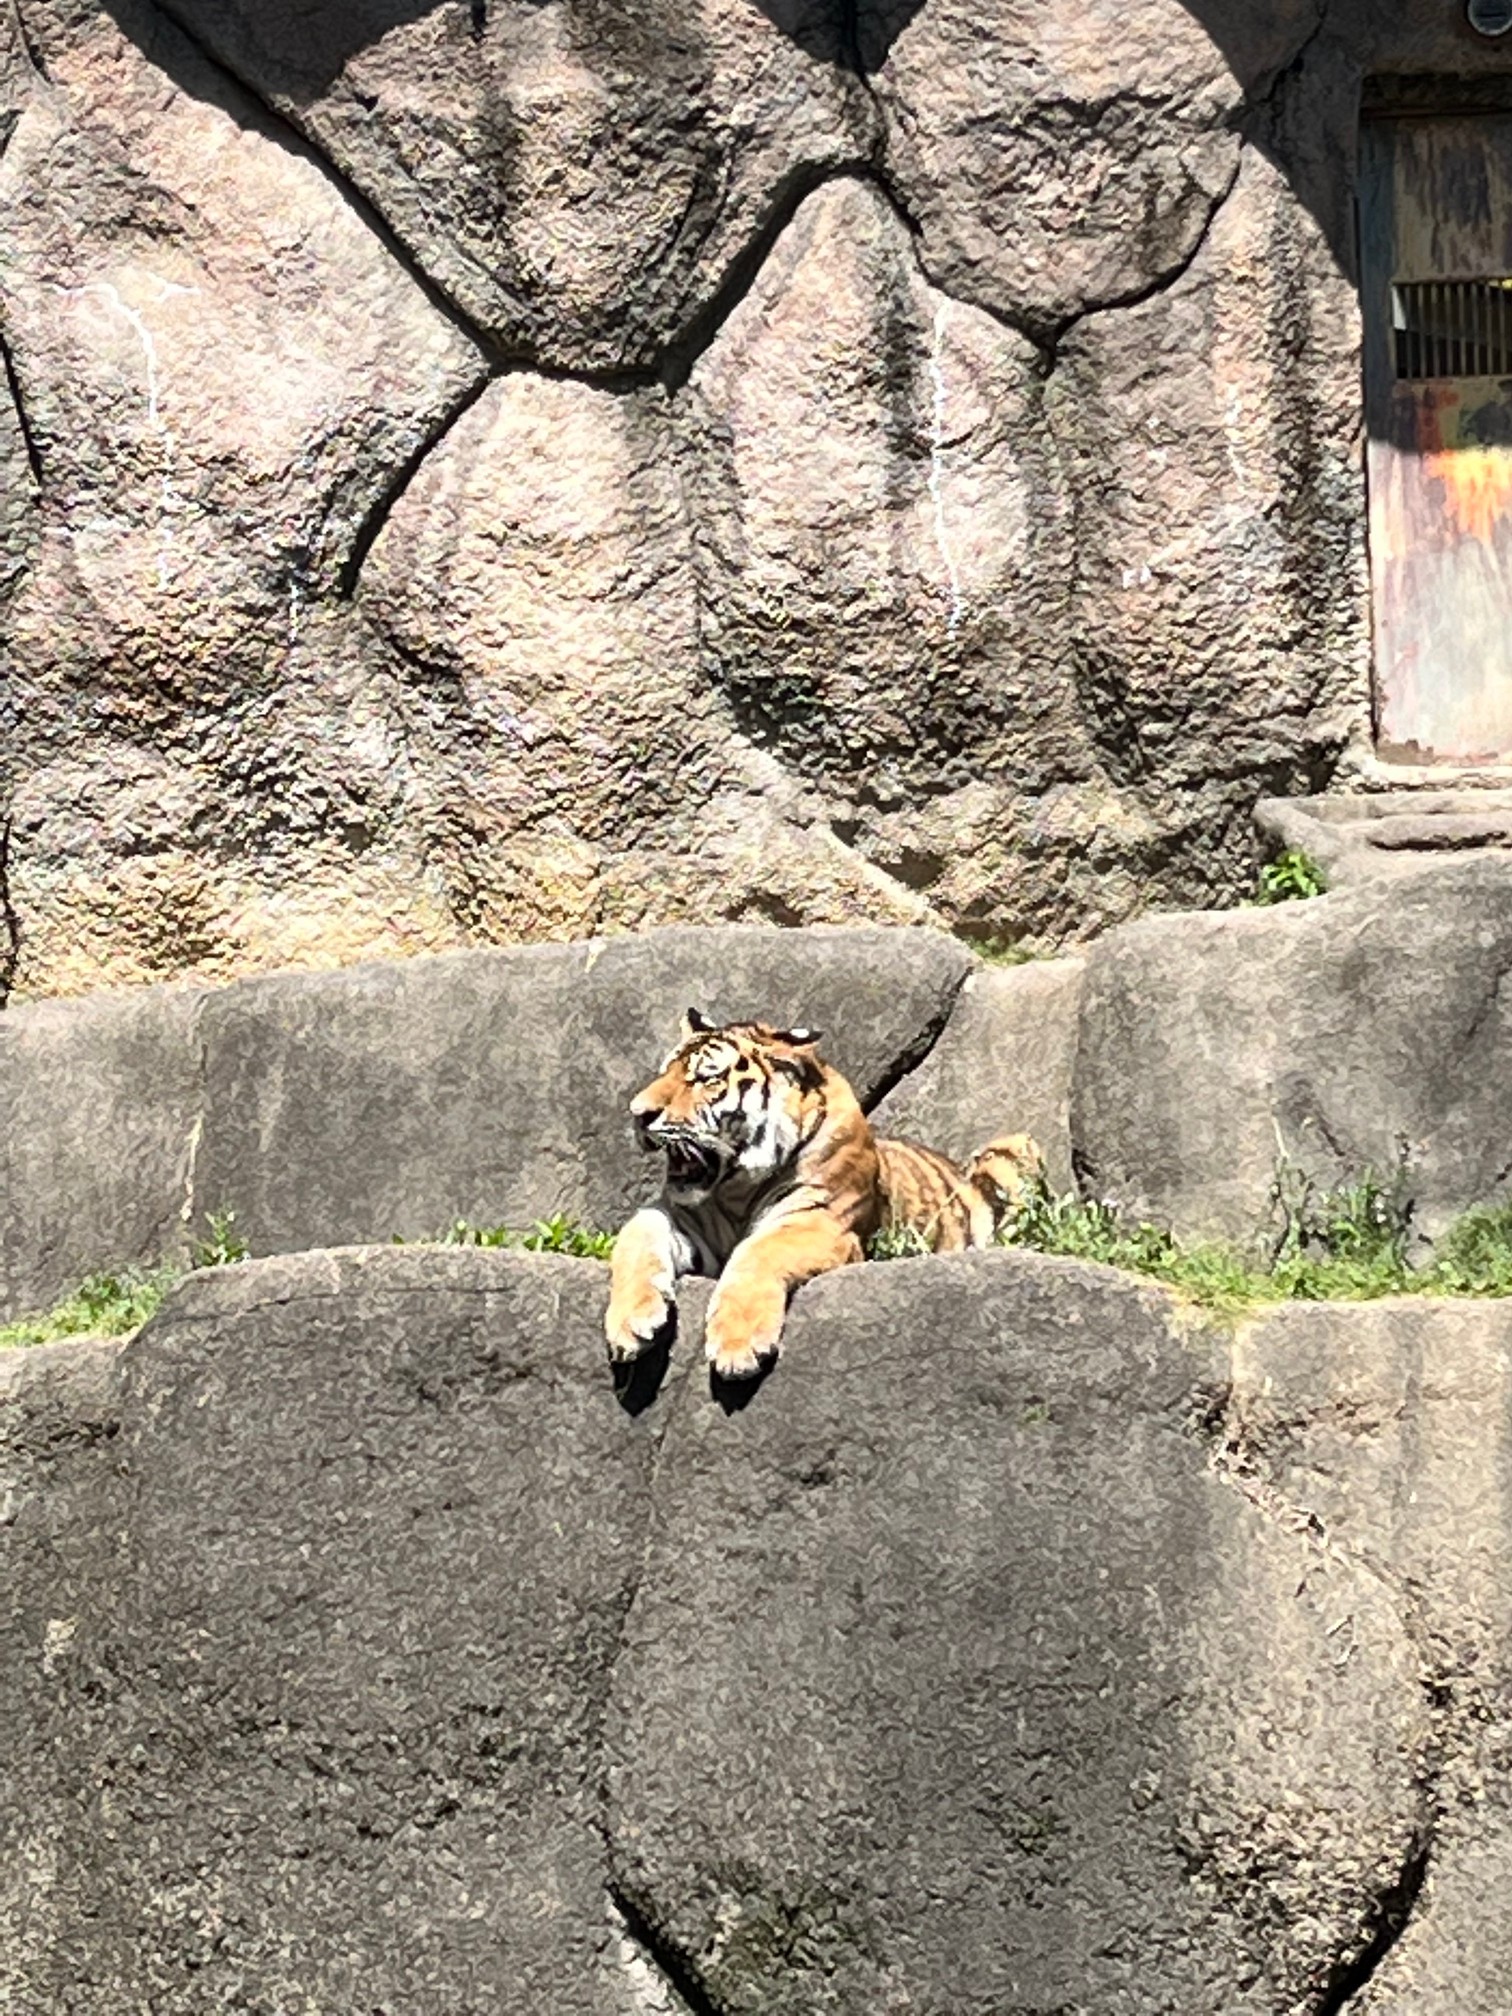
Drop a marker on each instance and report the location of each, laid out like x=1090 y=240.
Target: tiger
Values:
x=773 y=1175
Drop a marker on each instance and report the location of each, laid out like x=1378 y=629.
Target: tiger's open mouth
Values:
x=690 y=1166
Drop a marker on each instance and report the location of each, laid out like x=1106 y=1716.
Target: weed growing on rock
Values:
x=114 y=1303
x=225 y=1245
x=1290 y=878
x=103 y=1305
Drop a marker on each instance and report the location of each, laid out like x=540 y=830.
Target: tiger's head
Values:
x=731 y=1105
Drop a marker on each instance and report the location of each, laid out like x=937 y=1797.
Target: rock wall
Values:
x=477 y=470
x=992 y=1659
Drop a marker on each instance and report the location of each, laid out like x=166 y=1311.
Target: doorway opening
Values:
x=1436 y=292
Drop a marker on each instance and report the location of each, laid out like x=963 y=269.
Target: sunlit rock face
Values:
x=480 y=470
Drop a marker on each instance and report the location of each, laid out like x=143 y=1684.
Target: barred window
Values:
x=1453 y=328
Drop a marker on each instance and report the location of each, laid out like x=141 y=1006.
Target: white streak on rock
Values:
x=937 y=470
x=170 y=504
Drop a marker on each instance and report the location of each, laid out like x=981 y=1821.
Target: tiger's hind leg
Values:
x=649 y=1256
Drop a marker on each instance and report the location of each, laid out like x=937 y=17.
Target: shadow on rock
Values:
x=637 y=1383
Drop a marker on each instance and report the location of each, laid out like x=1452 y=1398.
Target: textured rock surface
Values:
x=1363 y=1030
x=1111 y=143
x=945 y=1675
x=1003 y=1065
x=98 y=1107
x=1385 y=1431
x=478 y=472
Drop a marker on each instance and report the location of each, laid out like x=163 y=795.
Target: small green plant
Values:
x=225 y=1246
x=1475 y=1255
x=559 y=1234
x=565 y=1235
x=1291 y=878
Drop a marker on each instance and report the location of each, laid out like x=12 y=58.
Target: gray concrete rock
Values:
x=1364 y=1030
x=362 y=1649
x=1382 y=1428
x=958 y=1680
x=99 y=1105
x=312 y=1671
x=1002 y=1066
x=220 y=369
x=540 y=563
x=390 y=1099
x=1211 y=540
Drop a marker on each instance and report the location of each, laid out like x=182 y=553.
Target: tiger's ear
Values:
x=801 y=1039
x=695 y=1024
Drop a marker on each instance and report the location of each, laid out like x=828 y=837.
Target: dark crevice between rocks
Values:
x=10 y=923
x=1389 y=1918
x=1051 y=336
x=400 y=478
x=683 y=352
x=28 y=48
x=29 y=439
x=663 y=1955
x=909 y=1059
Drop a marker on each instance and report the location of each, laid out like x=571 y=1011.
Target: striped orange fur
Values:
x=773 y=1175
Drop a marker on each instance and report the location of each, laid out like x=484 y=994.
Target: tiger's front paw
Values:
x=743 y=1334
x=640 y=1315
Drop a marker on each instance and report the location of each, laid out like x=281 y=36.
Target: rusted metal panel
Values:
x=1436 y=242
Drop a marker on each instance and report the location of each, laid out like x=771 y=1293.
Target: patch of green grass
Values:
x=1291 y=878
x=117 y=1301
x=560 y=1234
x=1344 y=1245
x=103 y=1305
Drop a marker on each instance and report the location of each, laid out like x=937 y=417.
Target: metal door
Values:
x=1436 y=275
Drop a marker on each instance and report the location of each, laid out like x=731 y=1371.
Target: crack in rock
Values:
x=398 y=484
x=10 y=923
x=28 y=438
x=913 y=1054
x=668 y=1986
x=1391 y=1914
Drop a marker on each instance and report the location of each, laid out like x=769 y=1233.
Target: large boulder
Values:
x=388 y=1099
x=306 y=1670
x=1111 y=145
x=1367 y=1030
x=959 y=1680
